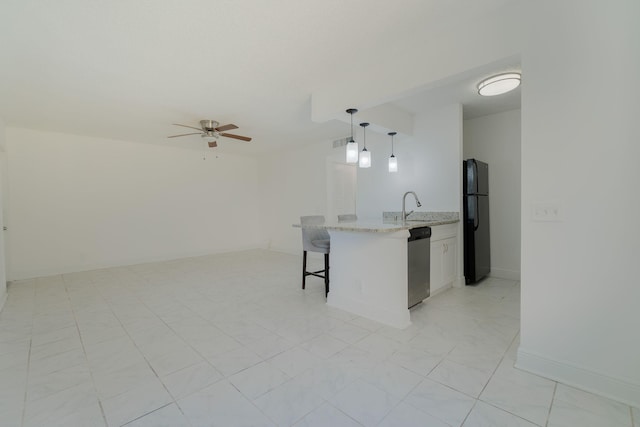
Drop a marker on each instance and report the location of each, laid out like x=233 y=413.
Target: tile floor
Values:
x=232 y=340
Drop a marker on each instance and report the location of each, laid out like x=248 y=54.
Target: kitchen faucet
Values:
x=404 y=198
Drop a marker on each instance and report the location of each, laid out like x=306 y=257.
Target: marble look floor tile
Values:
x=213 y=345
x=379 y=347
x=113 y=382
x=288 y=402
x=56 y=407
x=257 y=380
x=57 y=362
x=47 y=384
x=15 y=360
x=329 y=378
x=48 y=337
x=167 y=416
x=241 y=309
x=234 y=361
x=267 y=347
x=349 y=332
x=327 y=415
x=485 y=415
x=459 y=377
x=405 y=415
x=324 y=346
x=484 y=358
x=393 y=379
x=415 y=360
x=191 y=379
x=441 y=402
x=525 y=395
x=221 y=404
x=174 y=360
x=364 y=403
x=90 y=416
x=573 y=407
x=295 y=361
x=136 y=402
x=369 y=325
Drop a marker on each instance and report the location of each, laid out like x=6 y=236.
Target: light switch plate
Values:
x=549 y=212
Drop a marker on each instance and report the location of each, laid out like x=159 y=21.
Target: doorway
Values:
x=341 y=189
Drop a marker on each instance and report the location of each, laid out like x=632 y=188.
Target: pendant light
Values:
x=393 y=162
x=365 y=156
x=352 y=147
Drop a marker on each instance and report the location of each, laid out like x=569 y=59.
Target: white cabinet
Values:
x=444 y=256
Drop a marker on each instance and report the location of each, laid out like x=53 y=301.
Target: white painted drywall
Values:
x=495 y=139
x=79 y=203
x=428 y=163
x=580 y=151
x=294 y=183
x=3 y=270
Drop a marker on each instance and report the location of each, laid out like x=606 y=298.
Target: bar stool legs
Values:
x=324 y=276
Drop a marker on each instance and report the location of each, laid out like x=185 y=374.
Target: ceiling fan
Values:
x=211 y=130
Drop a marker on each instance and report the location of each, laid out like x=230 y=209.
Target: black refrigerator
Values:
x=477 y=251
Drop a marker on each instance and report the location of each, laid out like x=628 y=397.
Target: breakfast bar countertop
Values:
x=389 y=223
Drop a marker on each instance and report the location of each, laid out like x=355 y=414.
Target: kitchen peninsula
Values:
x=369 y=264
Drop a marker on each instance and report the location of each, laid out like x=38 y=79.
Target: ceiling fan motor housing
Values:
x=209 y=125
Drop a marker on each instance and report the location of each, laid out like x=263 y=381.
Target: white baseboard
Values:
x=32 y=274
x=584 y=379
x=504 y=274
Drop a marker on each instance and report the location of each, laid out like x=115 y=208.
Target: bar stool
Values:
x=315 y=241
x=347 y=217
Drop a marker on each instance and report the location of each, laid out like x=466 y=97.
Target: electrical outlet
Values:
x=546 y=212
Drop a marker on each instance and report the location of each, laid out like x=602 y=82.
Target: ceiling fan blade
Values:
x=185 y=126
x=213 y=144
x=230 y=135
x=185 y=134
x=226 y=127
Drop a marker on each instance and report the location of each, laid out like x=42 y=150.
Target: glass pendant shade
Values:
x=365 y=159
x=393 y=161
x=352 y=152
x=393 y=164
x=365 y=156
x=352 y=147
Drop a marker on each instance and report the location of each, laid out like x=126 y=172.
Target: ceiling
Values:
x=128 y=70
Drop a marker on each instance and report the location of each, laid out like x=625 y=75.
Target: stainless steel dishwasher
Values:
x=419 y=259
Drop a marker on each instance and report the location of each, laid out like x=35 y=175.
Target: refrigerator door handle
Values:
x=476 y=217
x=476 y=179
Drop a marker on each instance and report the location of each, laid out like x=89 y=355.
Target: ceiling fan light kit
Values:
x=210 y=131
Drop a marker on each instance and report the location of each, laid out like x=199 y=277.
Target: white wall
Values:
x=3 y=275
x=293 y=184
x=428 y=163
x=495 y=139
x=79 y=203
x=580 y=151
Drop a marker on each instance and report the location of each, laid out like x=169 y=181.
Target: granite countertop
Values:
x=389 y=223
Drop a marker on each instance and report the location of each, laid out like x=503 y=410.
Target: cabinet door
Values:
x=449 y=260
x=436 y=265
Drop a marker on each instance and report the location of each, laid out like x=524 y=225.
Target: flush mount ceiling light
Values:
x=365 y=156
x=352 y=147
x=497 y=85
x=393 y=161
